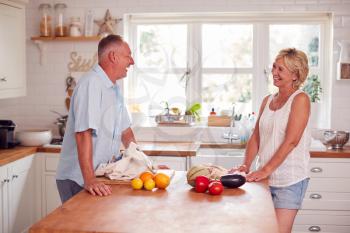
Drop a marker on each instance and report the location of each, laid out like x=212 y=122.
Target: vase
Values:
x=344 y=51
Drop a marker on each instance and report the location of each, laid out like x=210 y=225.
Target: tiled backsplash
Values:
x=46 y=83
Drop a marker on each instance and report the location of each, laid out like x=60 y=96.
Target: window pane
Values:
x=312 y=86
x=302 y=37
x=153 y=90
x=221 y=91
x=227 y=46
x=161 y=46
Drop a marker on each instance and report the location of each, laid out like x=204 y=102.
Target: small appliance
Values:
x=7 y=137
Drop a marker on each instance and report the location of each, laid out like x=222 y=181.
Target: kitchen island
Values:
x=177 y=209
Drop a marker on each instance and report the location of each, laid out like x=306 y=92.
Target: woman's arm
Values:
x=297 y=122
x=252 y=144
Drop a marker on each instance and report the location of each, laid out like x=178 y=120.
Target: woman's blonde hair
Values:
x=296 y=62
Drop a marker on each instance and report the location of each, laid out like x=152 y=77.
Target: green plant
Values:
x=313 y=88
x=194 y=110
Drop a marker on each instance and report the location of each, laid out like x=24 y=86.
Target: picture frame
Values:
x=344 y=71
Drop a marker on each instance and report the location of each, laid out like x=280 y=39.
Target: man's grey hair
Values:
x=106 y=43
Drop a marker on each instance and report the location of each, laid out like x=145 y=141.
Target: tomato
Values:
x=213 y=180
x=202 y=184
x=216 y=188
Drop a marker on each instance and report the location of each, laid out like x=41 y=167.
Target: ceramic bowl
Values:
x=35 y=137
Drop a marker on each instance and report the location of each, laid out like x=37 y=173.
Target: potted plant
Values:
x=313 y=88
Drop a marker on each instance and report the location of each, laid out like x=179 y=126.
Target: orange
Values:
x=146 y=175
x=149 y=184
x=162 y=180
x=137 y=183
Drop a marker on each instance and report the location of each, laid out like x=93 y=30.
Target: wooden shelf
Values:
x=66 y=38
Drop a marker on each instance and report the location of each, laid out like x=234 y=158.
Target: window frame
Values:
x=260 y=68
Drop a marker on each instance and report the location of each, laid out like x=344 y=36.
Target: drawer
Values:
x=51 y=164
x=326 y=201
x=316 y=218
x=320 y=228
x=329 y=185
x=329 y=169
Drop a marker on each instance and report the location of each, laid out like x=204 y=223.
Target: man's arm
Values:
x=91 y=184
x=127 y=137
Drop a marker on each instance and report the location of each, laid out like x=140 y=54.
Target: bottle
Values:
x=60 y=28
x=244 y=133
x=212 y=113
x=89 y=23
x=46 y=20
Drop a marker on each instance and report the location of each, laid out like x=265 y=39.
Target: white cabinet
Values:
x=12 y=47
x=226 y=158
x=326 y=206
x=175 y=163
x=17 y=195
x=50 y=198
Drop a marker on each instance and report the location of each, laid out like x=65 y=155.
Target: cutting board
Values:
x=105 y=180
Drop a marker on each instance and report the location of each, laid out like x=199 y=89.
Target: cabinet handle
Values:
x=316 y=169
x=6 y=181
x=14 y=176
x=4 y=79
x=315 y=196
x=314 y=228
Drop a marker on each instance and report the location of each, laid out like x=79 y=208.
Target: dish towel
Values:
x=132 y=163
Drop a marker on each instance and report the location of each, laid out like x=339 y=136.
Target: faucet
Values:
x=230 y=136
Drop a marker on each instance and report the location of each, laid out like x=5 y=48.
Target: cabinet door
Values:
x=21 y=194
x=220 y=160
x=12 y=55
x=52 y=198
x=3 y=200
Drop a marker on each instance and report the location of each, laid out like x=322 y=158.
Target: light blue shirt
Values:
x=96 y=104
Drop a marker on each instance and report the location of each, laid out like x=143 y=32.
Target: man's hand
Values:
x=96 y=187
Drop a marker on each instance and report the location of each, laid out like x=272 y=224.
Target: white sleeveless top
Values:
x=272 y=131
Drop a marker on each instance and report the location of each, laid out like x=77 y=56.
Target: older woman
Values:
x=281 y=138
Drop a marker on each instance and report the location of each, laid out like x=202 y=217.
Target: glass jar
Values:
x=75 y=27
x=46 y=20
x=60 y=28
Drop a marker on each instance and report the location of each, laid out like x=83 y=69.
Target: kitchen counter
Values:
x=11 y=155
x=180 y=149
x=176 y=209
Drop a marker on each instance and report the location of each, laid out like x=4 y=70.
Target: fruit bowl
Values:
x=335 y=139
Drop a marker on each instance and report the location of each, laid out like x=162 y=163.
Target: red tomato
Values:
x=202 y=184
x=216 y=188
x=211 y=181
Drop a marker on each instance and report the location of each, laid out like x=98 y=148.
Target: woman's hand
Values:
x=257 y=175
x=241 y=168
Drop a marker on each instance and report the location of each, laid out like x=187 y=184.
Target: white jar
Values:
x=75 y=27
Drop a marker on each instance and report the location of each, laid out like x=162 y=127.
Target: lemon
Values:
x=149 y=184
x=137 y=183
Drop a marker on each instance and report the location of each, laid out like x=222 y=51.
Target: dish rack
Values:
x=175 y=119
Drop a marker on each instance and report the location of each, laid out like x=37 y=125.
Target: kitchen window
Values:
x=219 y=59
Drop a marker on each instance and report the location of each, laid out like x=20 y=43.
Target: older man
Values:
x=98 y=121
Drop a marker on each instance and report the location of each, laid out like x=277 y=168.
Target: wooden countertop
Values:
x=180 y=149
x=176 y=209
x=10 y=155
x=329 y=153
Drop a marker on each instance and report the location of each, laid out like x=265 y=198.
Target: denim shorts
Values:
x=289 y=197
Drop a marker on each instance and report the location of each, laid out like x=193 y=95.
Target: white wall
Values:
x=46 y=83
